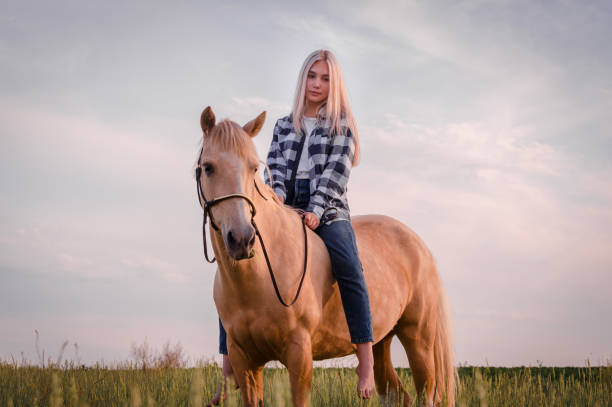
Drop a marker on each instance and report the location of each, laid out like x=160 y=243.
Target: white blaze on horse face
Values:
x=230 y=175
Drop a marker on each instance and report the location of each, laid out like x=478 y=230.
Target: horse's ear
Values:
x=253 y=127
x=207 y=120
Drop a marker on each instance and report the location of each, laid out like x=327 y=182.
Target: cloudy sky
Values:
x=485 y=127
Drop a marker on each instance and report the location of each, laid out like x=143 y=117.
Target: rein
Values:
x=207 y=207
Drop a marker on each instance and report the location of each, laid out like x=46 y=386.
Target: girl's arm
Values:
x=277 y=164
x=332 y=184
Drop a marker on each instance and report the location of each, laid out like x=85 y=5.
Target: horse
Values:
x=289 y=261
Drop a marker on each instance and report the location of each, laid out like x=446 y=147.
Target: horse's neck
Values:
x=283 y=237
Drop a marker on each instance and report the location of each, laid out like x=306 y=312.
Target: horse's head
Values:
x=226 y=173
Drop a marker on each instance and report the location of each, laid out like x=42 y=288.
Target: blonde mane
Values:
x=228 y=135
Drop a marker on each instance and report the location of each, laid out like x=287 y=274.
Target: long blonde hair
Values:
x=337 y=106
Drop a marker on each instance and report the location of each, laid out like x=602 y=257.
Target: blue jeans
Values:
x=222 y=339
x=339 y=238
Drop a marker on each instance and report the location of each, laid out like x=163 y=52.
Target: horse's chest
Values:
x=259 y=334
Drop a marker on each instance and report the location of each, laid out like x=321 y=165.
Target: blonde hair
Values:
x=336 y=107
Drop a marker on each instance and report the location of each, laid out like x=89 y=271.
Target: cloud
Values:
x=240 y=104
x=73 y=263
x=329 y=30
x=483 y=125
x=483 y=149
x=59 y=140
x=485 y=170
x=167 y=270
x=492 y=204
x=486 y=38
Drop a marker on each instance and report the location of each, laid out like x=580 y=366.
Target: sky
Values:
x=484 y=127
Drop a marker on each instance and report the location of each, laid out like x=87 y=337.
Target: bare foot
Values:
x=227 y=371
x=365 y=370
x=221 y=390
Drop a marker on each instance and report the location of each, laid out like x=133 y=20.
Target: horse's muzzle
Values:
x=239 y=242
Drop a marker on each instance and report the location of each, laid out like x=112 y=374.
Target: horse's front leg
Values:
x=298 y=359
x=248 y=376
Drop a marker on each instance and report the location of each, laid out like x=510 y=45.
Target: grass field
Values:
x=129 y=386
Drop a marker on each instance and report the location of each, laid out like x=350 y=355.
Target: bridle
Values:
x=207 y=207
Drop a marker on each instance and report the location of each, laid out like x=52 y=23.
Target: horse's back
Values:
x=383 y=237
x=395 y=262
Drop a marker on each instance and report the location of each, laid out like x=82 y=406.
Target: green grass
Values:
x=103 y=386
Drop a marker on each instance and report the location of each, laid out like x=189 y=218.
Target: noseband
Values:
x=207 y=207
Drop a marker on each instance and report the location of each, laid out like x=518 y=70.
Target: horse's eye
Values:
x=208 y=169
x=254 y=169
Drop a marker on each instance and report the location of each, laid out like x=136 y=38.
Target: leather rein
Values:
x=207 y=207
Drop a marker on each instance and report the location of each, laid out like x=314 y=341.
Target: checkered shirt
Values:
x=330 y=160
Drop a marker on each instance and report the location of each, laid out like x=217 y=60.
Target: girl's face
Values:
x=317 y=83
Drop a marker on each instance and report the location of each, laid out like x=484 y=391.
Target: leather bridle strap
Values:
x=297 y=294
x=207 y=206
x=210 y=204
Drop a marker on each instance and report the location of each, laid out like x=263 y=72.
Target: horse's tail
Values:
x=447 y=378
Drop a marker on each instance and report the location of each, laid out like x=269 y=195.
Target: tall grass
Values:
x=133 y=385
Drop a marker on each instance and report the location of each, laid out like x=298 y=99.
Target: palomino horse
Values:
x=406 y=296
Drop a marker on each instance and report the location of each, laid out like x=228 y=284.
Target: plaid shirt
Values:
x=330 y=160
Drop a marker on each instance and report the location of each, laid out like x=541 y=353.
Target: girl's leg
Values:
x=226 y=370
x=365 y=370
x=222 y=339
x=339 y=238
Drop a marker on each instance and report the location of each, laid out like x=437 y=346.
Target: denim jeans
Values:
x=339 y=238
x=222 y=339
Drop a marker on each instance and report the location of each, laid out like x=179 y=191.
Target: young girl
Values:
x=310 y=159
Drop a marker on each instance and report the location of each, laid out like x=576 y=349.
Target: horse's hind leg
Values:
x=388 y=384
x=419 y=346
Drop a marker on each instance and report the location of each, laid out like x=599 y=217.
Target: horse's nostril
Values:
x=230 y=238
x=239 y=242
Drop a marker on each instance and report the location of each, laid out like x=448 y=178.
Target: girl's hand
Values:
x=280 y=198
x=311 y=220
